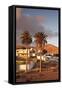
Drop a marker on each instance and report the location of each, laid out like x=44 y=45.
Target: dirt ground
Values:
x=45 y=74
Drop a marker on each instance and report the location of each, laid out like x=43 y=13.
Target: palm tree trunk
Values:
x=40 y=62
x=27 y=60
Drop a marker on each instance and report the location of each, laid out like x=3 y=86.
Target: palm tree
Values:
x=40 y=39
x=26 y=39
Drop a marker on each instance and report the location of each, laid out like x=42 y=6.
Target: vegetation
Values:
x=40 y=39
x=44 y=51
x=26 y=39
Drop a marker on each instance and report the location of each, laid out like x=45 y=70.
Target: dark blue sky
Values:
x=41 y=20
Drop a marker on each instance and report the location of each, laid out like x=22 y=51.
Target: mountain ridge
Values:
x=51 y=48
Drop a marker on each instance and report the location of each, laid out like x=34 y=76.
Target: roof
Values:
x=23 y=47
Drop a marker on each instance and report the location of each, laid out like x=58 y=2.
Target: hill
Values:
x=51 y=49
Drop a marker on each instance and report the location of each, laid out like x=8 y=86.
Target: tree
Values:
x=40 y=39
x=26 y=39
x=44 y=51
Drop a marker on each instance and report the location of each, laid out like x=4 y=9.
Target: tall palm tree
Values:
x=44 y=42
x=26 y=39
x=40 y=39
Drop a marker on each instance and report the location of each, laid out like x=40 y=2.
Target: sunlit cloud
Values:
x=35 y=23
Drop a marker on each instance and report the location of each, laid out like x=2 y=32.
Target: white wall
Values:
x=4 y=44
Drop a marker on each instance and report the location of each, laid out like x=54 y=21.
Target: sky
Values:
x=37 y=20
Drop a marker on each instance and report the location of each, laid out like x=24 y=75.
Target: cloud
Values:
x=18 y=13
x=31 y=24
x=40 y=18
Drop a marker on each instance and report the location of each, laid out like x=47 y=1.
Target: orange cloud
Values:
x=40 y=18
x=18 y=13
